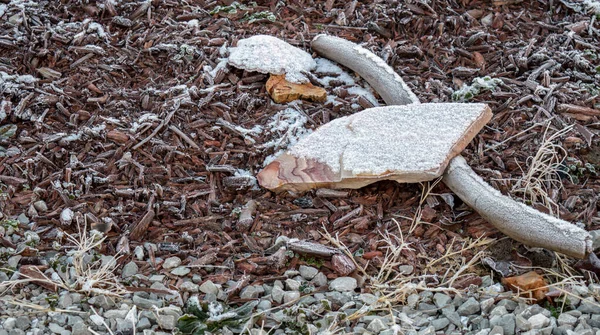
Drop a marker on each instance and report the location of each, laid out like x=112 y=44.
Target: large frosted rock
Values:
x=268 y=54
x=408 y=143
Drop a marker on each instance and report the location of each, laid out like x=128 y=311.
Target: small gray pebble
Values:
x=469 y=307
x=538 y=321
x=209 y=287
x=277 y=294
x=264 y=305
x=23 y=322
x=181 y=271
x=41 y=206
x=23 y=219
x=307 y=272
x=378 y=324
x=252 y=292
x=146 y=303
x=319 y=280
x=292 y=285
x=167 y=322
x=79 y=328
x=566 y=319
x=497 y=330
x=441 y=300
x=143 y=323
x=343 y=284
x=171 y=262
x=440 y=323
x=129 y=270
x=189 y=286
x=10 y=323
x=290 y=296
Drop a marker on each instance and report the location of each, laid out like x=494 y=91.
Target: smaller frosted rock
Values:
x=487 y=304
x=377 y=325
x=440 y=323
x=209 y=287
x=342 y=284
x=469 y=307
x=181 y=271
x=308 y=272
x=268 y=54
x=188 y=286
x=171 y=262
x=290 y=296
x=539 y=321
x=566 y=319
x=319 y=280
x=499 y=310
x=139 y=253
x=497 y=330
x=441 y=300
x=66 y=216
x=406 y=269
x=167 y=322
x=292 y=285
x=251 y=292
x=277 y=294
x=263 y=305
x=41 y=206
x=129 y=270
x=367 y=298
x=23 y=219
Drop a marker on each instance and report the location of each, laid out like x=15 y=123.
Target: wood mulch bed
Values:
x=129 y=123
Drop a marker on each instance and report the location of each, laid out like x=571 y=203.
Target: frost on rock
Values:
x=268 y=54
x=377 y=140
x=480 y=84
x=405 y=143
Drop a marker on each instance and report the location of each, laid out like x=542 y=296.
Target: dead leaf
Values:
x=35 y=274
x=529 y=285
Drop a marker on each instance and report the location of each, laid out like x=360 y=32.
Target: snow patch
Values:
x=327 y=68
x=288 y=128
x=360 y=91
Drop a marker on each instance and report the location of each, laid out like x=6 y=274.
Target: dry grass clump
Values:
x=542 y=175
x=80 y=276
x=393 y=287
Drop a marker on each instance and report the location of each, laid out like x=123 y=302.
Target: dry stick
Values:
x=184 y=137
x=160 y=126
x=515 y=219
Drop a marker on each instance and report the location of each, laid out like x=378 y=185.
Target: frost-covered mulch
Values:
x=124 y=117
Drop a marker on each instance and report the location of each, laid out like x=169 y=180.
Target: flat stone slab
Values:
x=409 y=143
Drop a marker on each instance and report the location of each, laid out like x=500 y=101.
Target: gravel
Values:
x=300 y=301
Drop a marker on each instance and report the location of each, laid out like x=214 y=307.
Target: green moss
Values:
x=264 y=15
x=312 y=261
x=479 y=85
